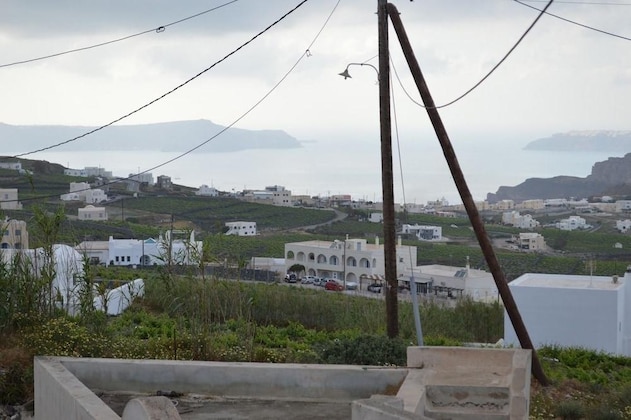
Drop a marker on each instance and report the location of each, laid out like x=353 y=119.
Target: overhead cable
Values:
x=306 y=53
x=164 y=94
x=159 y=29
x=575 y=23
x=521 y=38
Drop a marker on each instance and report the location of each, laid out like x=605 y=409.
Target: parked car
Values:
x=319 y=281
x=333 y=285
x=291 y=278
x=375 y=287
x=351 y=285
x=307 y=280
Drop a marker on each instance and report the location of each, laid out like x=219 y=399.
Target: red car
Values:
x=333 y=285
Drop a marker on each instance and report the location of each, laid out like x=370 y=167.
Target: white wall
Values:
x=570 y=317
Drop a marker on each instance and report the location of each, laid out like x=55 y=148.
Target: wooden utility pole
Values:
x=389 y=240
x=465 y=195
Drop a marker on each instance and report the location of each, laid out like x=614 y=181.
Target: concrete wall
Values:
x=438 y=383
x=59 y=395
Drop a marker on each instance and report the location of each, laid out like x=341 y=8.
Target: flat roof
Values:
x=561 y=281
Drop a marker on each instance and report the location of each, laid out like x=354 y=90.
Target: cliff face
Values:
x=607 y=176
x=613 y=171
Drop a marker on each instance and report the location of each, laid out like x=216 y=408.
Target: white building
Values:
x=531 y=241
x=81 y=191
x=143 y=178
x=453 y=282
x=76 y=172
x=207 y=191
x=349 y=260
x=14 y=166
x=515 y=219
x=572 y=223
x=623 y=206
x=92 y=213
x=9 y=199
x=574 y=311
x=623 y=225
x=14 y=234
x=280 y=196
x=423 y=233
x=241 y=228
x=134 y=252
x=376 y=217
x=96 y=252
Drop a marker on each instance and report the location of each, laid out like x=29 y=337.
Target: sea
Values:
x=324 y=168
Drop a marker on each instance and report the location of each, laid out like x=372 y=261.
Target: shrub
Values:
x=570 y=410
x=368 y=350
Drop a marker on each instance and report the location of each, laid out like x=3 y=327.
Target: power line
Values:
x=159 y=29
x=164 y=94
x=521 y=38
x=495 y=67
x=306 y=53
x=575 y=23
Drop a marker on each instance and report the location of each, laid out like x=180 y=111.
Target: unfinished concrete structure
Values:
x=438 y=383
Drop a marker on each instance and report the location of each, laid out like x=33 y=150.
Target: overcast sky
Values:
x=561 y=77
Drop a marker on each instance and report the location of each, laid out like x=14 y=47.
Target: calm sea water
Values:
x=324 y=168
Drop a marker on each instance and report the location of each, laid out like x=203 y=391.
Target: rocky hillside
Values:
x=610 y=177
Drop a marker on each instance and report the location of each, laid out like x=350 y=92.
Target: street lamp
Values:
x=346 y=75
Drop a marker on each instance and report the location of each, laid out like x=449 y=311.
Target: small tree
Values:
x=297 y=268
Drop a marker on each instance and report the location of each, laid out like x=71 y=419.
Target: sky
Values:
x=561 y=77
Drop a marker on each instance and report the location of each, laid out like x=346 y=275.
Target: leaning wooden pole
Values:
x=465 y=195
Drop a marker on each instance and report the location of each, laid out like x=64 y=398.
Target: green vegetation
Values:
x=211 y=213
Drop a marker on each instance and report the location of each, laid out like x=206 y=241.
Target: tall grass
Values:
x=217 y=301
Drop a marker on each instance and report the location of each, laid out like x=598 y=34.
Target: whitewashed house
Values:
x=572 y=223
x=137 y=252
x=376 y=218
x=592 y=312
x=207 y=191
x=9 y=199
x=92 y=213
x=423 y=233
x=520 y=221
x=530 y=241
x=280 y=195
x=95 y=252
x=81 y=191
x=14 y=166
x=241 y=228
